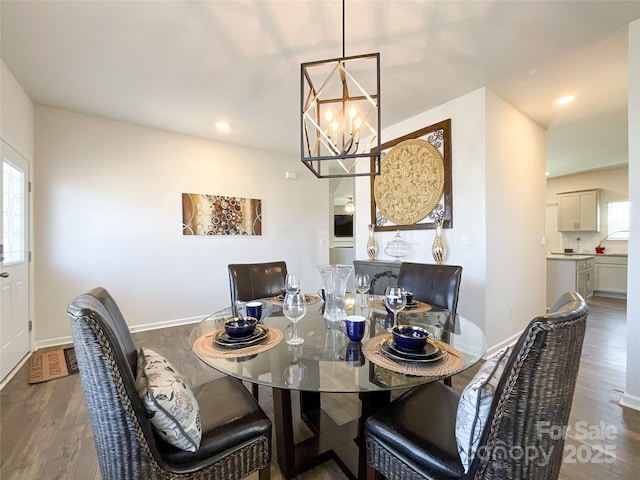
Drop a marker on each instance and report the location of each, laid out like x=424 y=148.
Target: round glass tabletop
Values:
x=327 y=361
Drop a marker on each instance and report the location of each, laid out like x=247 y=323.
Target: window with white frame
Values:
x=618 y=221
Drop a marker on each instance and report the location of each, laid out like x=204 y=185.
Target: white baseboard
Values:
x=495 y=349
x=630 y=401
x=166 y=324
x=58 y=341
x=55 y=342
x=52 y=342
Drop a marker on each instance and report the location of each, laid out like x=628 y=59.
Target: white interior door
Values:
x=14 y=260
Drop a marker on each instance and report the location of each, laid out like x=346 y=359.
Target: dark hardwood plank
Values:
x=45 y=431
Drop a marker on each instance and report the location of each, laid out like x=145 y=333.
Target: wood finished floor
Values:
x=45 y=432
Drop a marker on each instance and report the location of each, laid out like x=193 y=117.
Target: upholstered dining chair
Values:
x=437 y=285
x=516 y=406
x=235 y=432
x=249 y=281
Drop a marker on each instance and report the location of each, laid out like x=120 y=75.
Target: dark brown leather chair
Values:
x=236 y=433
x=414 y=437
x=249 y=281
x=436 y=285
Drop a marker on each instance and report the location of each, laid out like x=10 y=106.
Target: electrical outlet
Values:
x=510 y=312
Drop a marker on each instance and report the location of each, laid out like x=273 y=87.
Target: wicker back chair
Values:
x=236 y=434
x=249 y=281
x=414 y=438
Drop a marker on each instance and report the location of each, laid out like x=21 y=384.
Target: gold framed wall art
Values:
x=414 y=187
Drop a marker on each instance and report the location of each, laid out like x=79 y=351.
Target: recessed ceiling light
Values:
x=547 y=173
x=222 y=126
x=565 y=100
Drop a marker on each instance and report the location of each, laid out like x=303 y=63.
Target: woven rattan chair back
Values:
x=531 y=405
x=533 y=399
x=126 y=445
x=107 y=357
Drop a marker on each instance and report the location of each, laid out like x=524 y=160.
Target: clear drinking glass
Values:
x=292 y=283
x=362 y=285
x=395 y=301
x=294 y=308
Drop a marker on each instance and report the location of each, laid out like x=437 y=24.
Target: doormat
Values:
x=44 y=366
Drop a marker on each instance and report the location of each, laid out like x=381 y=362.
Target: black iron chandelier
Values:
x=340 y=121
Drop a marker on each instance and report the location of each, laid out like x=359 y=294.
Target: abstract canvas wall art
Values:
x=220 y=215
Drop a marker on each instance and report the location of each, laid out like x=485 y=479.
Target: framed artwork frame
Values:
x=439 y=136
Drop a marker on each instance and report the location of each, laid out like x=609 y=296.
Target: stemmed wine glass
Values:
x=395 y=301
x=292 y=283
x=294 y=308
x=362 y=285
x=295 y=372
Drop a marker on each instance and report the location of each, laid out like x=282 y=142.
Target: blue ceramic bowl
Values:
x=410 y=338
x=239 y=327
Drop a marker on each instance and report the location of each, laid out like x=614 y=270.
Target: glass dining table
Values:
x=328 y=363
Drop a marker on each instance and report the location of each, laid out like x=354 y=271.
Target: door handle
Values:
x=4 y=275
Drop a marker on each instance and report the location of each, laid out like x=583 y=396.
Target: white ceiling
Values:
x=182 y=66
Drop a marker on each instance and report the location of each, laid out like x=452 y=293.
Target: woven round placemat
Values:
x=449 y=365
x=311 y=299
x=422 y=307
x=206 y=347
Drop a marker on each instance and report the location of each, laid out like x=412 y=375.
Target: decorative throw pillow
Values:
x=171 y=407
x=474 y=406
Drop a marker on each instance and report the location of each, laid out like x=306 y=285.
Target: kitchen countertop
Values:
x=572 y=257
x=560 y=254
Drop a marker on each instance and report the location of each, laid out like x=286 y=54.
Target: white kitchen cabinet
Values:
x=611 y=275
x=569 y=273
x=579 y=211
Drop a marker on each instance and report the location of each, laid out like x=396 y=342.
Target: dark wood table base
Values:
x=343 y=443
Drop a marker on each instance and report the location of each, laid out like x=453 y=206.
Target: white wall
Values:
x=16 y=117
x=468 y=176
x=479 y=217
x=631 y=396
x=515 y=221
x=615 y=188
x=108 y=212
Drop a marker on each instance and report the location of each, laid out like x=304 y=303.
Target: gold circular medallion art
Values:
x=410 y=183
